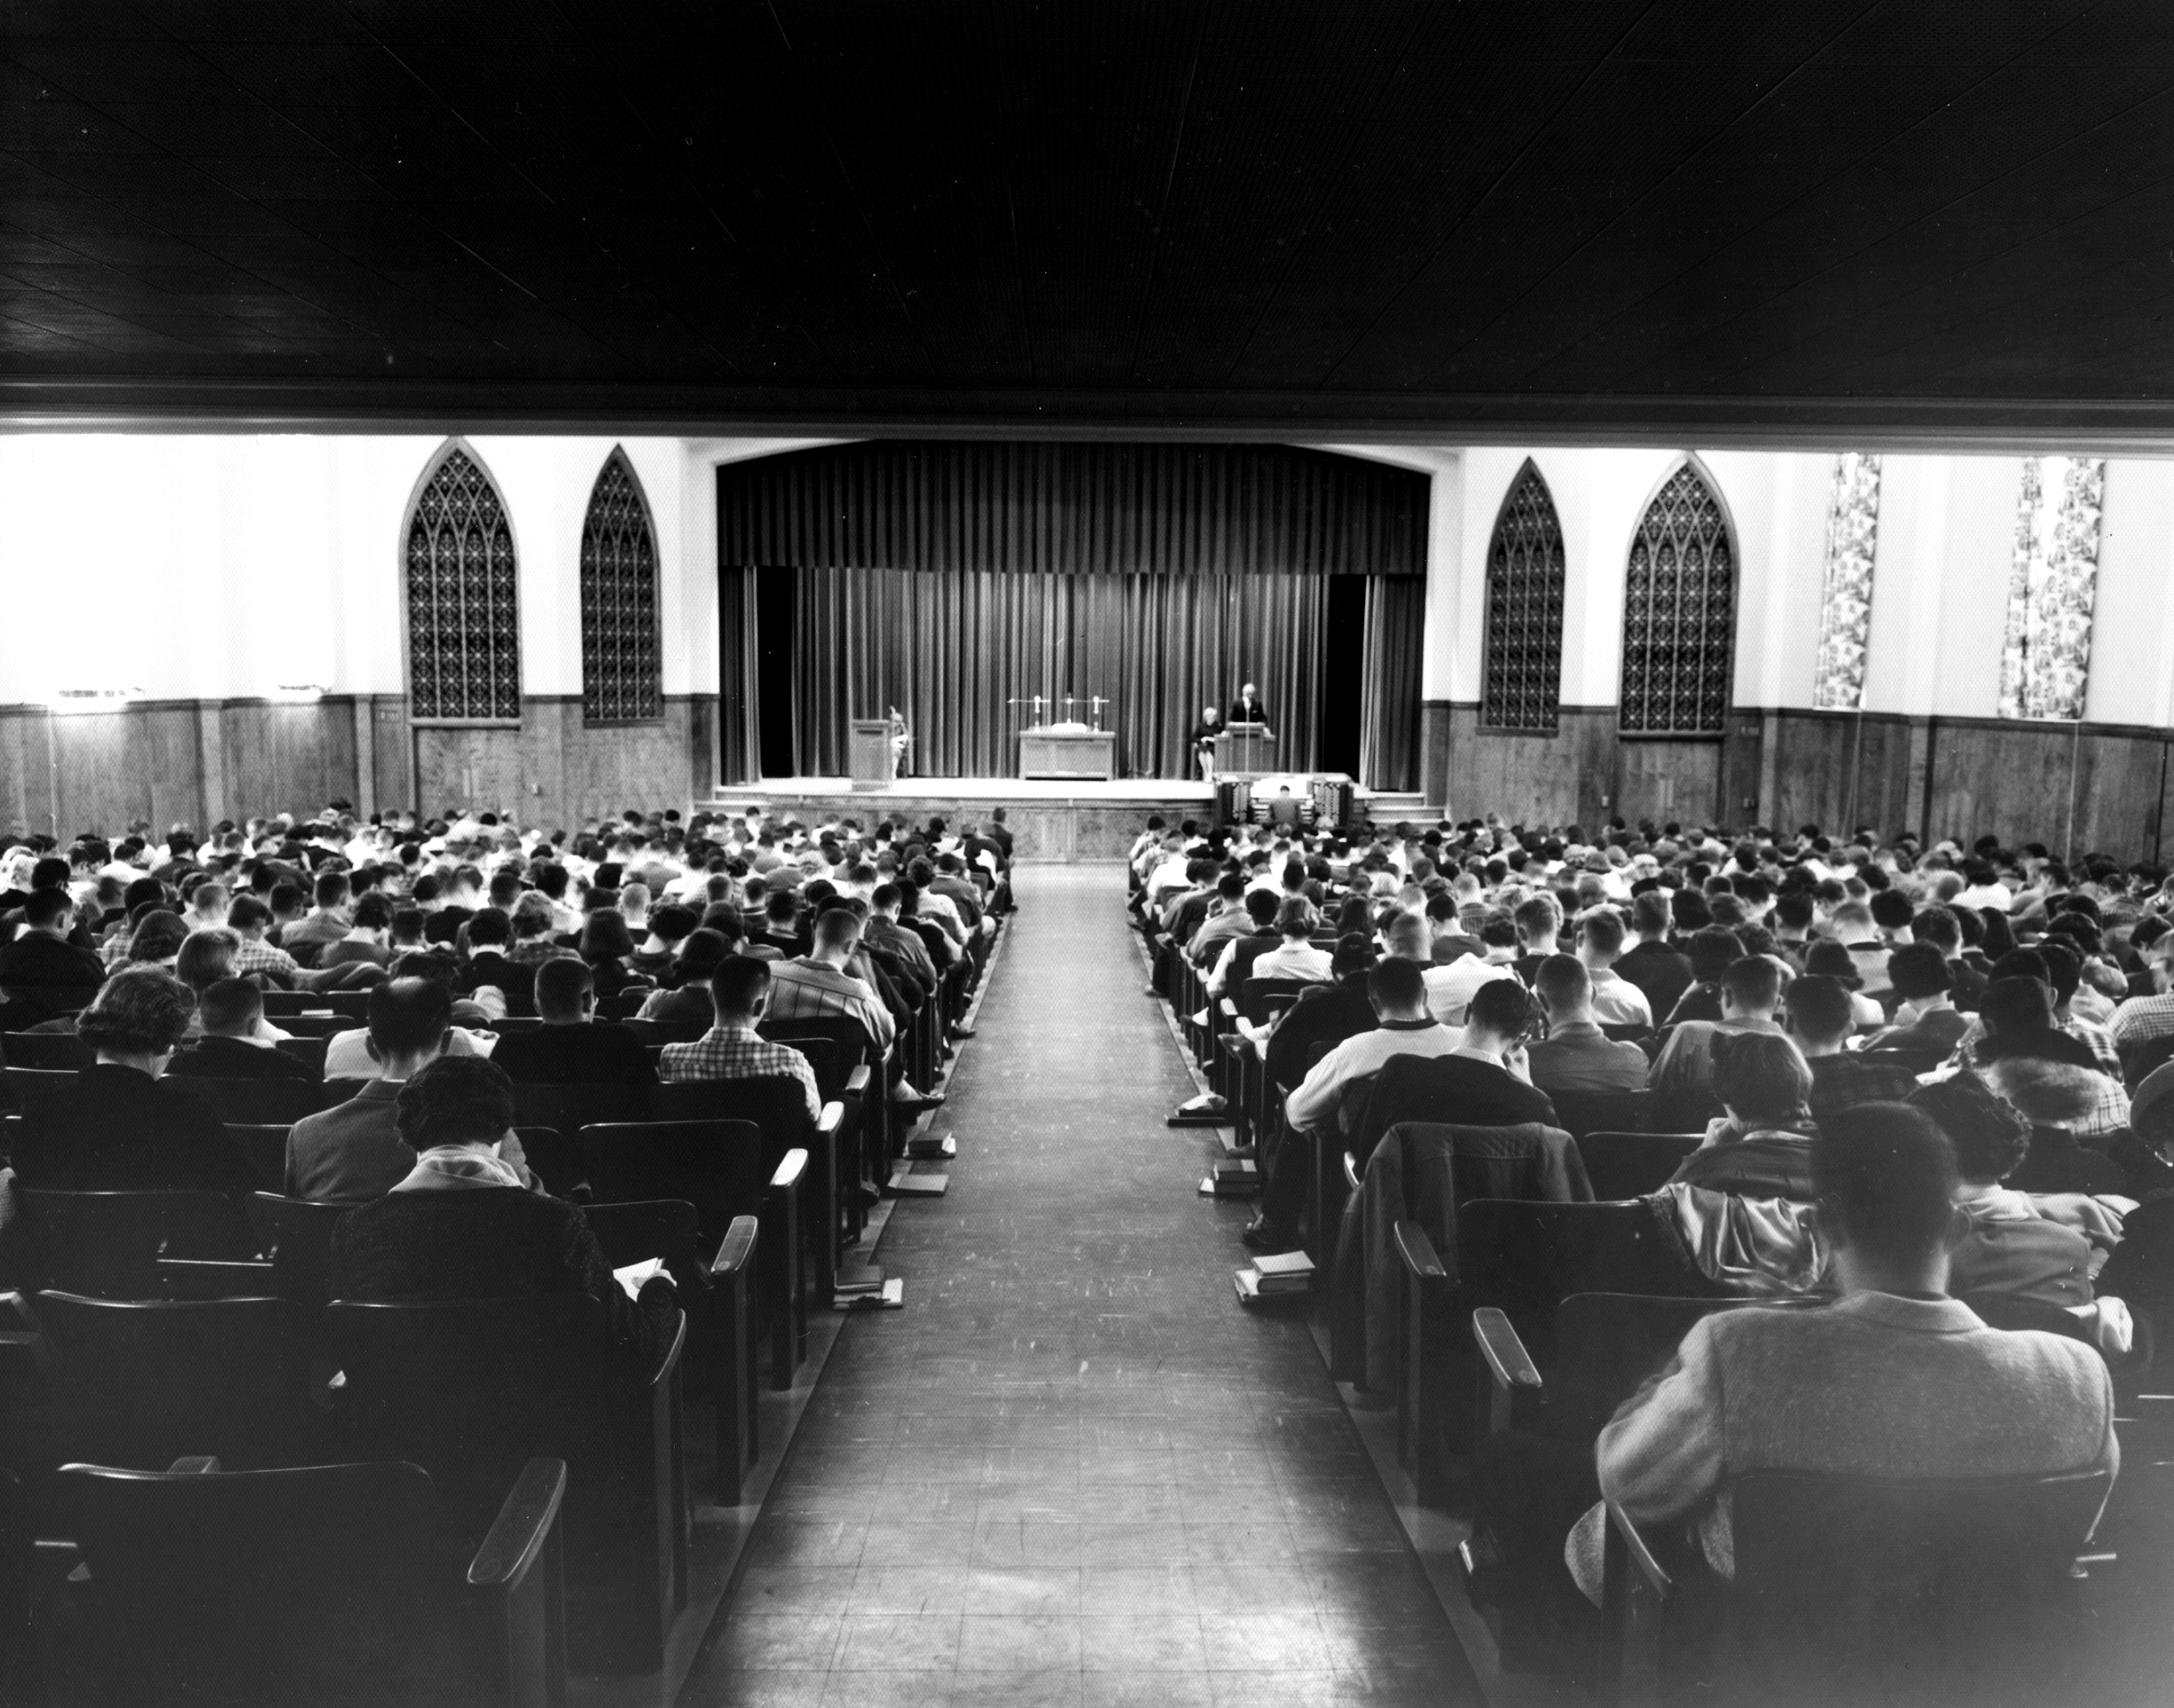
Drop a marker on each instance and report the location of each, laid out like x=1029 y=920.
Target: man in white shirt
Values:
x=1295 y=956
x=1449 y=989
x=1396 y=992
x=1616 y=1001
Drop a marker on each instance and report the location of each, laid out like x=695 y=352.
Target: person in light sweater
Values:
x=1896 y=1379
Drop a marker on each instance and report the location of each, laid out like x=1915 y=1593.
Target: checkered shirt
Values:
x=738 y=1052
x=2141 y=1019
x=2111 y=1112
x=257 y=956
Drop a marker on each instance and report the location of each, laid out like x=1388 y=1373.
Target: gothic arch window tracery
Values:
x=620 y=670
x=464 y=621
x=1521 y=687
x=1680 y=612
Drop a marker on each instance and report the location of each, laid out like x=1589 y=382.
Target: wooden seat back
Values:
x=258 y=1103
x=299 y=1234
x=1631 y=1164
x=52 y=1051
x=110 y=1243
x=715 y=1166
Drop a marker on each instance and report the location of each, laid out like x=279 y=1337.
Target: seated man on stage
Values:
x=1203 y=740
x=1247 y=707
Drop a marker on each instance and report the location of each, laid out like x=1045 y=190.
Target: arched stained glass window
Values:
x=1523 y=686
x=463 y=626
x=619 y=647
x=1680 y=612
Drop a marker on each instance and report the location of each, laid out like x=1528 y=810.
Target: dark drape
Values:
x=739 y=746
x=949 y=651
x=1017 y=507
x=1388 y=735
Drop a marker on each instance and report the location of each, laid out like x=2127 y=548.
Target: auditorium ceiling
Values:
x=1581 y=218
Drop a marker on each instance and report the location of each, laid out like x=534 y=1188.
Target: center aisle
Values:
x=1072 y=1470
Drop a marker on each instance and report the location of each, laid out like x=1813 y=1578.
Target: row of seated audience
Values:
x=1917 y=1076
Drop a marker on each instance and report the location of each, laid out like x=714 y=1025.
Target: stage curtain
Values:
x=739 y=734
x=952 y=650
x=1389 y=729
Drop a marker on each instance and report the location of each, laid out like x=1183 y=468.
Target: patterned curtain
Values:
x=1679 y=614
x=621 y=675
x=463 y=628
x=1525 y=578
x=2052 y=583
x=1853 y=534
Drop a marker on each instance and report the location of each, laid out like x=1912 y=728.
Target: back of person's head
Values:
x=1761 y=1076
x=1885 y=1175
x=701 y=952
x=1407 y=937
x=532 y=916
x=1296 y=917
x=738 y=986
x=1689 y=909
x=47 y=908
x=671 y=921
x=1261 y=907
x=1794 y=909
x=373 y=913
x=488 y=927
x=2064 y=968
x=1396 y=986
x=837 y=927
x=1503 y=1006
x=1918 y=971
x=1498 y=930
x=205 y=957
x=454 y=1100
x=231 y=1007
x=1563 y=984
x=158 y=936
x=331 y=888
x=1354 y=954
x=884 y=898
x=605 y=936
x=563 y=985
x=1820 y=1011
x=1890 y=910
x=1753 y=984
x=1714 y=950
x=1537 y=917
x=408 y=1016
x=1600 y=931
x=2011 y=1007
x=139 y=1011
x=1649 y=912
x=1990 y=1135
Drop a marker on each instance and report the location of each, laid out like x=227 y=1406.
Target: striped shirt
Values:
x=737 y=1052
x=806 y=989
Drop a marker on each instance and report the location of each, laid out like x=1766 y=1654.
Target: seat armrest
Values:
x=1507 y=1359
x=1417 y=1252
x=857 y=1081
x=736 y=1248
x=832 y=1118
x=523 y=1524
x=791 y=1169
x=1640 y=1556
x=194 y=1464
x=668 y=1360
x=1350 y=1172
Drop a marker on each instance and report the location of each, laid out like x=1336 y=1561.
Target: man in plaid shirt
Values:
x=731 y=1048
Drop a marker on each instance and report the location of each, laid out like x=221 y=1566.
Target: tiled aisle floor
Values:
x=1072 y=1470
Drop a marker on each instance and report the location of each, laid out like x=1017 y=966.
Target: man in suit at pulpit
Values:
x=1247 y=707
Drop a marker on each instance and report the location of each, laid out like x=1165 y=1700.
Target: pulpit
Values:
x=1244 y=748
x=871 y=754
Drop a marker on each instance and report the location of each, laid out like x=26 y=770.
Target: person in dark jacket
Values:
x=700 y=956
x=607 y=948
x=232 y=1047
x=42 y=965
x=122 y=1126
x=464 y=1224
x=1761 y=1147
x=572 y=1047
x=1478 y=1085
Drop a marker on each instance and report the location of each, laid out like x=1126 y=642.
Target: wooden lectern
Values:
x=1244 y=748
x=870 y=754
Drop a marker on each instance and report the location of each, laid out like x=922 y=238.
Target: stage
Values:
x=1060 y=820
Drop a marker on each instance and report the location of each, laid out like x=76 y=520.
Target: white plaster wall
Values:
x=2132 y=620
x=1976 y=547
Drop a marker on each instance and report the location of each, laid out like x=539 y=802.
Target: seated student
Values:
x=1262 y=911
x=369 y=938
x=1928 y=1025
x=459 y=1222
x=687 y=1002
x=1325 y=1016
x=325 y=924
x=1820 y=1019
x=1894 y=1379
x=607 y=947
x=352 y=1152
x=1295 y=957
x=1479 y=1083
x=1577 y=1056
x=1616 y=1001
x=668 y=928
x=1831 y=961
x=236 y=1044
x=1450 y=988
x=732 y=1049
x=1714 y=950
x=1663 y=973
x=2053 y=1080
x=571 y=1046
x=2014 y=1249
x=42 y=965
x=121 y=1126
x=1749 y=991
x=489 y=933
x=1760 y=1145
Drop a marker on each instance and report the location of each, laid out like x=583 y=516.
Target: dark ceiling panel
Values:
x=1190 y=213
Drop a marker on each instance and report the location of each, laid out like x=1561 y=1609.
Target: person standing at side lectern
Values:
x=1247 y=707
